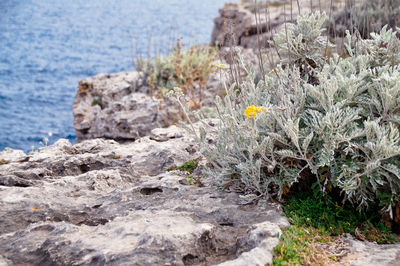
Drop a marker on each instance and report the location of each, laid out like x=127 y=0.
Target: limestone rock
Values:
x=101 y=202
x=236 y=15
x=263 y=235
x=110 y=106
x=362 y=253
x=118 y=106
x=12 y=155
x=237 y=23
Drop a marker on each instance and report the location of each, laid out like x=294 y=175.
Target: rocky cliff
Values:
x=252 y=25
x=111 y=106
x=104 y=203
x=119 y=106
x=100 y=202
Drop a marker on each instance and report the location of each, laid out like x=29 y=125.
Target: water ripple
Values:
x=46 y=47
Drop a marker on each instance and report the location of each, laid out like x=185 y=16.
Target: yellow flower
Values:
x=252 y=110
x=220 y=66
x=273 y=70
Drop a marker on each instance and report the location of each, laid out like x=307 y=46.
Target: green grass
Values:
x=320 y=220
x=96 y=102
x=326 y=214
x=298 y=244
x=188 y=166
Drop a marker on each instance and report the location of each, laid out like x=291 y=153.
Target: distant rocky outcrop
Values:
x=119 y=106
x=112 y=106
x=100 y=202
x=237 y=24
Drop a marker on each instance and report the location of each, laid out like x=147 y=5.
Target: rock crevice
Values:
x=100 y=202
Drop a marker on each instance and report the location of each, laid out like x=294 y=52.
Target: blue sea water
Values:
x=46 y=47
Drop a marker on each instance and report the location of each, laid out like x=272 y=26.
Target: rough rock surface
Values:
x=361 y=253
x=237 y=23
x=118 y=106
x=100 y=202
x=110 y=106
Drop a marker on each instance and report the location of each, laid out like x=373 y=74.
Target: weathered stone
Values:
x=237 y=24
x=362 y=253
x=100 y=202
x=233 y=23
x=262 y=236
x=164 y=134
x=12 y=155
x=109 y=106
x=4 y=262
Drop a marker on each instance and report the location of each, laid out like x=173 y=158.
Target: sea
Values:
x=46 y=47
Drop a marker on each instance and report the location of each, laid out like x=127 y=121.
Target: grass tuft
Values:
x=188 y=166
x=96 y=102
x=318 y=222
x=299 y=244
x=327 y=215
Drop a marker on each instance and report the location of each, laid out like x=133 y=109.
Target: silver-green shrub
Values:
x=341 y=126
x=303 y=44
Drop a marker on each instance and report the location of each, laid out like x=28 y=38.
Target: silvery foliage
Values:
x=302 y=43
x=343 y=126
